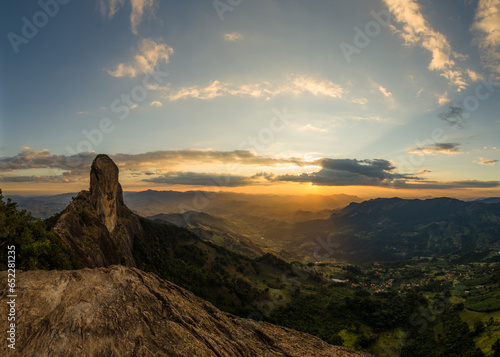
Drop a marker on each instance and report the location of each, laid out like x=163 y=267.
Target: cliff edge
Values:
x=120 y=311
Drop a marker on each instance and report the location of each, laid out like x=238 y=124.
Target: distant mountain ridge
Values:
x=395 y=228
x=489 y=200
x=151 y=202
x=292 y=226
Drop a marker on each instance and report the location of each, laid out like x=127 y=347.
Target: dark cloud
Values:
x=35 y=178
x=80 y=163
x=149 y=166
x=172 y=158
x=350 y=172
x=43 y=159
x=201 y=179
x=454 y=116
x=443 y=148
x=266 y=175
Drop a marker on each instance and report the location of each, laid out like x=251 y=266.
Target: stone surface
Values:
x=120 y=311
x=97 y=225
x=106 y=192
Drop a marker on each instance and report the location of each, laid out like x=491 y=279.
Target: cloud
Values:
x=387 y=95
x=32 y=159
x=109 y=8
x=443 y=98
x=370 y=118
x=294 y=86
x=316 y=87
x=213 y=90
x=173 y=158
x=76 y=164
x=148 y=167
x=486 y=28
x=377 y=173
x=455 y=77
x=310 y=127
x=233 y=37
x=483 y=161
x=442 y=148
x=385 y=92
x=416 y=31
x=149 y=54
x=156 y=103
x=359 y=100
x=201 y=179
x=139 y=8
x=454 y=116
x=474 y=76
x=35 y=178
x=349 y=172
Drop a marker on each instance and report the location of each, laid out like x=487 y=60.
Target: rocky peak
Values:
x=97 y=225
x=105 y=191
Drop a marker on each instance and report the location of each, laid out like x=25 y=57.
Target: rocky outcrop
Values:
x=106 y=192
x=97 y=225
x=119 y=311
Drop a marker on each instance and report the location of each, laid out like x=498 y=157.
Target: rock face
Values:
x=121 y=311
x=97 y=225
x=106 y=192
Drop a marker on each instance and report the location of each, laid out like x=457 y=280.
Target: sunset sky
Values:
x=374 y=98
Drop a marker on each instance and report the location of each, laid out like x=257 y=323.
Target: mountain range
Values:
x=114 y=310
x=390 y=229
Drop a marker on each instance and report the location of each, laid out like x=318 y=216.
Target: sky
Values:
x=377 y=98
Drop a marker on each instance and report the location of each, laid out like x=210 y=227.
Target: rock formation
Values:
x=120 y=311
x=97 y=225
x=106 y=193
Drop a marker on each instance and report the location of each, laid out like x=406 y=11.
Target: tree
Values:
x=36 y=246
x=478 y=327
x=496 y=348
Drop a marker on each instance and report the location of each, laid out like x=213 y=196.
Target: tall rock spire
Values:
x=105 y=191
x=97 y=225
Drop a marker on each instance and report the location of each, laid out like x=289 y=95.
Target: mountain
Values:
x=121 y=311
x=250 y=224
x=293 y=208
x=489 y=200
x=215 y=229
x=388 y=229
x=43 y=206
x=289 y=208
x=97 y=225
